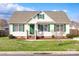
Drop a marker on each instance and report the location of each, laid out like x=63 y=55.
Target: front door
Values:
x=32 y=28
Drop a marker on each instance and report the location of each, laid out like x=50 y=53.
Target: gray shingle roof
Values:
x=58 y=16
x=24 y=16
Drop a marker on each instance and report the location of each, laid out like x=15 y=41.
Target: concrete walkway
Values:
x=39 y=53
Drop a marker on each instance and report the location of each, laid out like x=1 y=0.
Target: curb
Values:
x=39 y=52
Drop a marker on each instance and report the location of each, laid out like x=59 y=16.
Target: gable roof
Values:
x=24 y=16
x=58 y=16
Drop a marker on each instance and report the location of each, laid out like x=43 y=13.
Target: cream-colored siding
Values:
x=46 y=19
x=36 y=21
x=63 y=33
x=18 y=33
x=67 y=29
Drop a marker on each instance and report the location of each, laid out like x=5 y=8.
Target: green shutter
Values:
x=54 y=27
x=13 y=28
x=49 y=27
x=64 y=27
x=21 y=27
x=43 y=16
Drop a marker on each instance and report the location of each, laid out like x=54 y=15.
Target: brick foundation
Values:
x=21 y=37
x=42 y=37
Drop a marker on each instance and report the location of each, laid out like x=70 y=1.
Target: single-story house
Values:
x=41 y=24
x=4 y=28
x=3 y=24
x=74 y=27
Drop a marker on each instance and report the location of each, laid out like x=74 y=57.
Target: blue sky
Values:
x=72 y=9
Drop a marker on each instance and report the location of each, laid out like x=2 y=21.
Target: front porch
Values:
x=44 y=30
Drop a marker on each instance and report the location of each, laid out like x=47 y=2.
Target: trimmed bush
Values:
x=11 y=37
x=71 y=35
x=53 y=36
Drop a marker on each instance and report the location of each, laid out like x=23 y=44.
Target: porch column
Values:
x=35 y=31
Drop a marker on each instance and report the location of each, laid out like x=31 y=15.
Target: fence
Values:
x=74 y=31
x=4 y=33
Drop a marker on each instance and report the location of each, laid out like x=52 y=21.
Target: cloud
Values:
x=65 y=10
x=54 y=10
x=61 y=10
x=8 y=9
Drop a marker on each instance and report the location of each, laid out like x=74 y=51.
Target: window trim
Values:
x=60 y=27
x=18 y=28
x=14 y=26
x=44 y=27
x=22 y=29
x=40 y=16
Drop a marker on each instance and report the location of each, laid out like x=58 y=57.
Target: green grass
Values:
x=22 y=45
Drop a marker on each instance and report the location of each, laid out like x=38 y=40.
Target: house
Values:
x=74 y=27
x=39 y=24
x=4 y=28
x=3 y=24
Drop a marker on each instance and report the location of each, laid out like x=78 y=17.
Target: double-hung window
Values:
x=44 y=27
x=40 y=16
x=15 y=27
x=21 y=27
x=60 y=27
x=18 y=27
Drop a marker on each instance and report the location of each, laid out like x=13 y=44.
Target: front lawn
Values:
x=22 y=45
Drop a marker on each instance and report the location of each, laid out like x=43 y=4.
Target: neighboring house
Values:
x=74 y=27
x=4 y=28
x=41 y=24
x=3 y=24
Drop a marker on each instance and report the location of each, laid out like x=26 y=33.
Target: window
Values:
x=34 y=17
x=40 y=27
x=15 y=27
x=56 y=27
x=18 y=27
x=40 y=16
x=44 y=27
x=63 y=27
x=21 y=27
x=60 y=27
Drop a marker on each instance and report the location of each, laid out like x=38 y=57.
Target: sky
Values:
x=71 y=9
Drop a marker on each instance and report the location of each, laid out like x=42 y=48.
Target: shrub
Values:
x=53 y=36
x=11 y=36
x=71 y=35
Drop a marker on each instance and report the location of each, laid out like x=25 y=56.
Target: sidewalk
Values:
x=35 y=53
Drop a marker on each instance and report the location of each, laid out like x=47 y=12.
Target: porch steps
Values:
x=31 y=37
